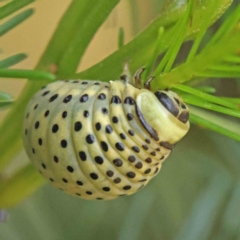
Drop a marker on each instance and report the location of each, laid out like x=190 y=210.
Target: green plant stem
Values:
x=213 y=126
x=12 y=7
x=31 y=74
x=13 y=22
x=200 y=64
x=120 y=37
x=24 y=182
x=200 y=103
x=85 y=26
x=12 y=60
x=206 y=96
x=140 y=49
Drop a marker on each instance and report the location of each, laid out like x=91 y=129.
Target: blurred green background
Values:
x=196 y=195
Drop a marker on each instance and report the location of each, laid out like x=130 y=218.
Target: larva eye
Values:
x=99 y=140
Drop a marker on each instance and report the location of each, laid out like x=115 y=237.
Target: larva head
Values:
x=163 y=114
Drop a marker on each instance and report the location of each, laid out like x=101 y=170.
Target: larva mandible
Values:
x=101 y=140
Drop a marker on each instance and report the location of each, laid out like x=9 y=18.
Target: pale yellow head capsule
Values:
x=163 y=114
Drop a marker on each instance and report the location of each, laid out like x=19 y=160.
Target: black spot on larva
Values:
x=37 y=125
x=82 y=156
x=156 y=170
x=126 y=187
x=36 y=106
x=64 y=114
x=106 y=189
x=116 y=99
x=64 y=180
x=110 y=173
x=145 y=124
x=46 y=113
x=52 y=98
x=158 y=149
x=84 y=98
x=33 y=150
x=94 y=176
x=76 y=81
x=184 y=117
x=156 y=164
x=27 y=115
x=40 y=141
x=45 y=93
x=131 y=159
x=138 y=165
x=86 y=113
x=79 y=183
x=96 y=83
x=108 y=129
x=122 y=136
x=183 y=106
x=77 y=126
x=119 y=146
x=101 y=96
x=147 y=171
x=90 y=139
x=129 y=100
x=64 y=143
x=131 y=174
x=99 y=198
x=70 y=169
x=43 y=165
x=117 y=180
x=148 y=160
x=55 y=158
x=98 y=126
x=129 y=117
x=99 y=160
x=167 y=145
x=162 y=158
x=67 y=99
x=51 y=179
x=131 y=132
x=143 y=180
x=78 y=194
x=117 y=162
x=54 y=128
x=88 y=193
x=147 y=141
x=177 y=101
x=153 y=153
x=84 y=83
x=104 y=111
x=115 y=119
x=26 y=131
x=136 y=149
x=145 y=147
x=104 y=146
x=167 y=102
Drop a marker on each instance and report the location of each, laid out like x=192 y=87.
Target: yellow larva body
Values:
x=99 y=140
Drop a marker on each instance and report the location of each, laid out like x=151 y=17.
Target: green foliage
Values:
x=217 y=58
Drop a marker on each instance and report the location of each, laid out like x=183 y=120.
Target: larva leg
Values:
x=137 y=77
x=147 y=84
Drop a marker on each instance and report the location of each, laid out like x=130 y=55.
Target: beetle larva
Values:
x=101 y=140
